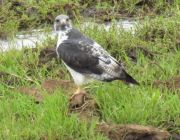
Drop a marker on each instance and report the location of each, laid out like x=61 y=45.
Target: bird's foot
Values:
x=78 y=99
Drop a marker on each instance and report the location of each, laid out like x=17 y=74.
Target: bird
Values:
x=85 y=59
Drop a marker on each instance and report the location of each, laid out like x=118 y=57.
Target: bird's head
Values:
x=62 y=23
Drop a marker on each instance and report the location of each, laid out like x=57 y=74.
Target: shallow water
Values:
x=26 y=40
x=38 y=36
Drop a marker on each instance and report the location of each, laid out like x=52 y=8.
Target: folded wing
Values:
x=91 y=59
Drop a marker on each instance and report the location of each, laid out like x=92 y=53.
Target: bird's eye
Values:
x=57 y=20
x=67 y=19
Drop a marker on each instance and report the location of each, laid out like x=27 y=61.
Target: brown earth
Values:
x=32 y=92
x=49 y=86
x=172 y=83
x=46 y=55
x=133 y=53
x=132 y=132
x=85 y=107
x=52 y=85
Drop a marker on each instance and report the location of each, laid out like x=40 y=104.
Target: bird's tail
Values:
x=124 y=76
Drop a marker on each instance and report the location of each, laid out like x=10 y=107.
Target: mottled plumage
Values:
x=86 y=59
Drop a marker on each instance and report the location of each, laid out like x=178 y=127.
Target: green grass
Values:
x=22 y=118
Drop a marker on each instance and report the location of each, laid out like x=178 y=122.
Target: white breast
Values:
x=78 y=78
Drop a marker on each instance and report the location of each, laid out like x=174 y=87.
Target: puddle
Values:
x=127 y=25
x=30 y=40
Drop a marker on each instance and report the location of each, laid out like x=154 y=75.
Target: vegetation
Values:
x=148 y=104
x=19 y=14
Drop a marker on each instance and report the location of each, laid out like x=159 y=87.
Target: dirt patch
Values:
x=46 y=55
x=172 y=84
x=85 y=106
x=52 y=85
x=132 y=132
x=78 y=100
x=133 y=53
x=32 y=92
x=47 y=58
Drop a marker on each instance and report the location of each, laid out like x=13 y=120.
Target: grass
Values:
x=20 y=15
x=22 y=118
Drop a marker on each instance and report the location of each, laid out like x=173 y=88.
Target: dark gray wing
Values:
x=89 y=58
x=78 y=57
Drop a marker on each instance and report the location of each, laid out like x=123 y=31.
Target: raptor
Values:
x=84 y=58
